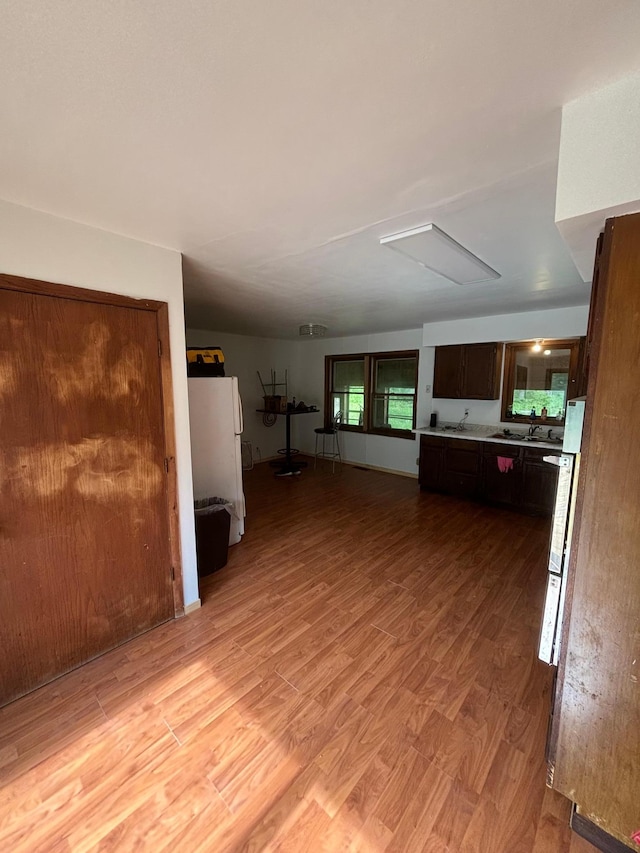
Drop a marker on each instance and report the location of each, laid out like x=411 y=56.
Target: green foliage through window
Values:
x=375 y=392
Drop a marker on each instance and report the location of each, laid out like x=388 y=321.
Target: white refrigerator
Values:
x=215 y=416
x=561 y=532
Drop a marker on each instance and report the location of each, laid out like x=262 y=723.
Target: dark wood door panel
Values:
x=539 y=485
x=431 y=467
x=447 y=371
x=596 y=738
x=481 y=371
x=463 y=460
x=84 y=536
x=502 y=487
x=461 y=485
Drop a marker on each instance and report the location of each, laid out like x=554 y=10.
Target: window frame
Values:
x=370 y=360
x=511 y=350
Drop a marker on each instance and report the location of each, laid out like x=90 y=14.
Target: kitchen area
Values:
x=504 y=464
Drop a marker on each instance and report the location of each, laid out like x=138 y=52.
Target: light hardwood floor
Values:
x=362 y=676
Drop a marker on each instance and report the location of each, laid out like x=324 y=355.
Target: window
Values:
x=375 y=392
x=537 y=381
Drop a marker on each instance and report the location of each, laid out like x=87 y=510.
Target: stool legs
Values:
x=335 y=450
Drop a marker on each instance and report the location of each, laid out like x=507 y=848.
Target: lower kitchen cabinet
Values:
x=462 y=467
x=539 y=483
x=431 y=469
x=467 y=468
x=502 y=487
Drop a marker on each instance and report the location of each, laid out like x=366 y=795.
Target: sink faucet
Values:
x=533 y=428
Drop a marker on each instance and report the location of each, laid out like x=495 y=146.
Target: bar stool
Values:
x=332 y=432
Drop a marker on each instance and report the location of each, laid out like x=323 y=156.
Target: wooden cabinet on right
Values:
x=468 y=371
x=595 y=735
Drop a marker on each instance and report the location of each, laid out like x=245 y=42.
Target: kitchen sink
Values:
x=514 y=436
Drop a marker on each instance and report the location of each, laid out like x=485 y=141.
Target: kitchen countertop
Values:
x=486 y=433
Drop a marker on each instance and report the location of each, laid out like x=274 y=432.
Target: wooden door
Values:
x=595 y=742
x=85 y=554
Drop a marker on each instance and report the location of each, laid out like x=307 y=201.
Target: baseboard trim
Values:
x=592 y=833
x=378 y=468
x=310 y=456
x=195 y=605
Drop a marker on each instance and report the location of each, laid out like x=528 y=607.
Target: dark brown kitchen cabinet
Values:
x=447 y=371
x=539 y=483
x=468 y=371
x=462 y=468
x=469 y=469
x=431 y=469
x=502 y=487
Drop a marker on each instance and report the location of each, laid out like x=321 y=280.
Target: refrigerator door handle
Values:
x=240 y=415
x=560 y=461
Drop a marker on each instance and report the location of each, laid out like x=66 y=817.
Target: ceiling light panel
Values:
x=438 y=252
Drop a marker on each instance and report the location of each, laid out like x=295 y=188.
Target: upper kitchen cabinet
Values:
x=468 y=371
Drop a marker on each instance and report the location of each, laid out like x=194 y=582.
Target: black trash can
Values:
x=213 y=520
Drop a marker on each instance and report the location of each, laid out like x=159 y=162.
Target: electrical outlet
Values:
x=466 y=412
x=417 y=460
x=427 y=388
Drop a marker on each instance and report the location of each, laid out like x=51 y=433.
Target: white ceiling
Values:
x=274 y=142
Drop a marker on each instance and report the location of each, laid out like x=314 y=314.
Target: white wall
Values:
x=556 y=323
x=396 y=454
x=244 y=356
x=524 y=326
x=599 y=165
x=37 y=245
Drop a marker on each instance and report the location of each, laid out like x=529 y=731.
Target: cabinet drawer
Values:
x=432 y=441
x=464 y=444
x=510 y=450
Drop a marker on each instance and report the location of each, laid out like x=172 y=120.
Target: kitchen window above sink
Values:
x=538 y=381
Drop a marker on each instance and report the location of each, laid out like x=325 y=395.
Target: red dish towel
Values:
x=505 y=463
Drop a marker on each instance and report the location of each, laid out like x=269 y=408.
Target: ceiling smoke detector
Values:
x=438 y=252
x=312 y=330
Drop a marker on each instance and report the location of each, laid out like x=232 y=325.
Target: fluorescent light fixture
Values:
x=438 y=252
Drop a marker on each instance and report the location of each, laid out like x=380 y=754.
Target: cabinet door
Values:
x=539 y=483
x=481 y=365
x=447 y=372
x=462 y=466
x=461 y=485
x=502 y=487
x=431 y=463
x=463 y=456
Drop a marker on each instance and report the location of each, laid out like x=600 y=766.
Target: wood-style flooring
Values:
x=361 y=676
